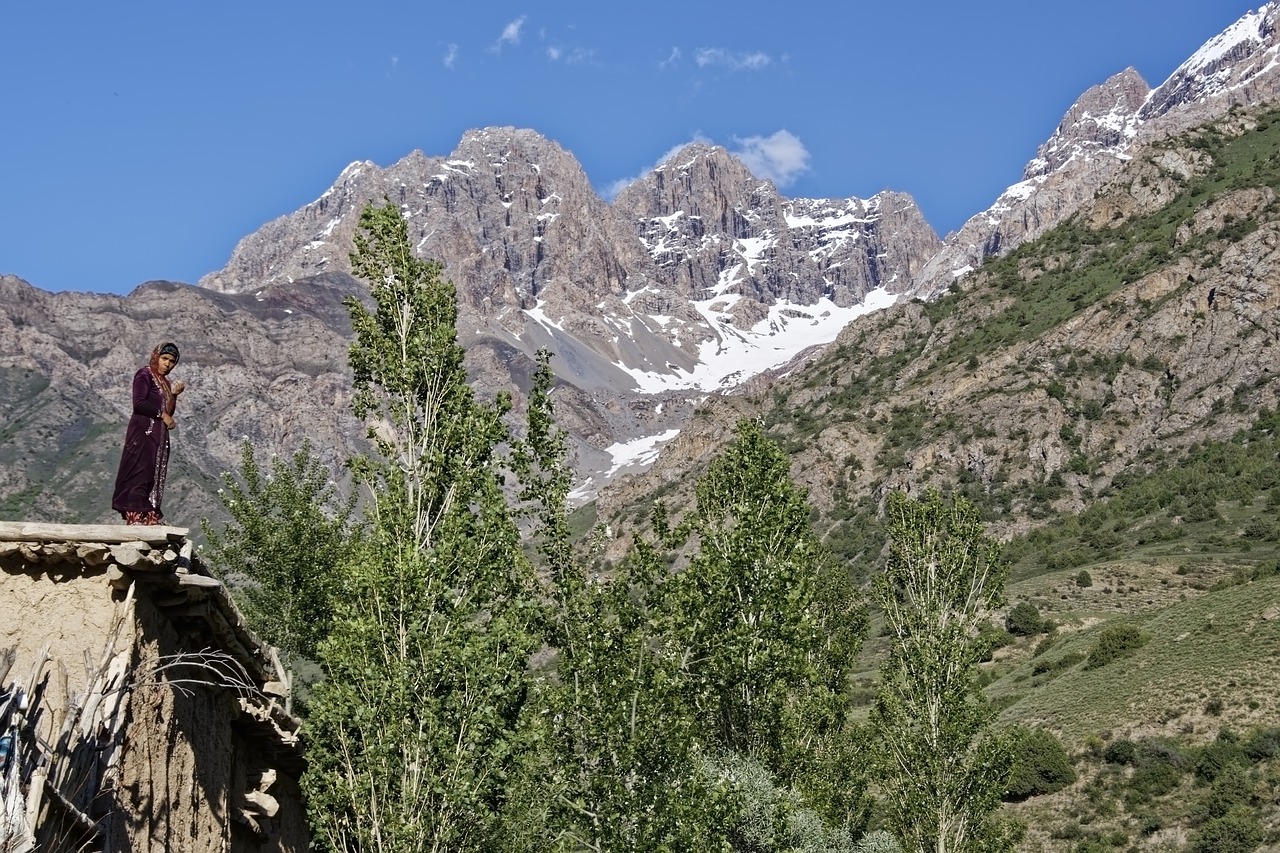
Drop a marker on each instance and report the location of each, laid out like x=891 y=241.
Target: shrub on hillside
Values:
x=1239 y=831
x=878 y=842
x=1269 y=569
x=1024 y=620
x=1121 y=752
x=1199 y=507
x=1159 y=766
x=1044 y=645
x=1161 y=751
x=1263 y=744
x=1261 y=528
x=1152 y=780
x=1084 y=579
x=1067 y=661
x=1217 y=757
x=1231 y=789
x=1114 y=642
x=993 y=638
x=1040 y=765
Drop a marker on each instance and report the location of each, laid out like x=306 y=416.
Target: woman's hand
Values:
x=168 y=420
x=178 y=388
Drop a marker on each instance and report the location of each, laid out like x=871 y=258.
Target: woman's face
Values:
x=166 y=363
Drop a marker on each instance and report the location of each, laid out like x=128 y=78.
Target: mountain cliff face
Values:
x=698 y=279
x=632 y=290
x=709 y=224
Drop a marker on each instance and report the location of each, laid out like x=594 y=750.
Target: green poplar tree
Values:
x=412 y=732
x=766 y=625
x=944 y=769
x=620 y=764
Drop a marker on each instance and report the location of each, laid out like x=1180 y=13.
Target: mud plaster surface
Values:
x=182 y=765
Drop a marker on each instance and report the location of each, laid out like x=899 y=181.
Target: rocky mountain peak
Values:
x=1099 y=132
x=1101 y=121
x=1239 y=62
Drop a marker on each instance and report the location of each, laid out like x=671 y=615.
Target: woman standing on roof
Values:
x=145 y=459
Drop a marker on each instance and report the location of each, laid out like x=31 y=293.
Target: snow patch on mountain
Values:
x=735 y=355
x=830 y=226
x=1245 y=30
x=636 y=454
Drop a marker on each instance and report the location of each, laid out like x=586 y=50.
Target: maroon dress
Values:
x=143 y=464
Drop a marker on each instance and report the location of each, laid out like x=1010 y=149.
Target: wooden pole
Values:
x=113 y=534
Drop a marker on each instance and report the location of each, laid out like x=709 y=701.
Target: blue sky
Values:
x=142 y=139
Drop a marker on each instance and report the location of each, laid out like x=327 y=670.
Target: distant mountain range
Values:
x=697 y=279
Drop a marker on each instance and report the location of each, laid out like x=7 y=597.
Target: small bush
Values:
x=1269 y=569
x=993 y=638
x=1040 y=765
x=773 y=817
x=1263 y=529
x=1115 y=641
x=1216 y=758
x=1024 y=620
x=1153 y=780
x=1121 y=752
x=1263 y=744
x=878 y=842
x=1067 y=661
x=1084 y=579
x=1239 y=831
x=1159 y=766
x=1231 y=789
x=1044 y=645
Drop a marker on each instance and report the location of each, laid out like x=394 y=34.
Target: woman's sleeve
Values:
x=144 y=402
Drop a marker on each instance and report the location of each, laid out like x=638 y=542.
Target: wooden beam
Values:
x=111 y=534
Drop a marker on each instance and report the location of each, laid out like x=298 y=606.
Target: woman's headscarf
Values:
x=166 y=389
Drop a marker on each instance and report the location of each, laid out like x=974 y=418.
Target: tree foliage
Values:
x=1024 y=619
x=280 y=551
x=943 y=769
x=765 y=625
x=411 y=734
x=618 y=764
x=1115 y=641
x=665 y=683
x=624 y=761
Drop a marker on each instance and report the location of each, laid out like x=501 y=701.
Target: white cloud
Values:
x=510 y=33
x=576 y=56
x=610 y=191
x=450 y=55
x=672 y=59
x=705 y=56
x=780 y=158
